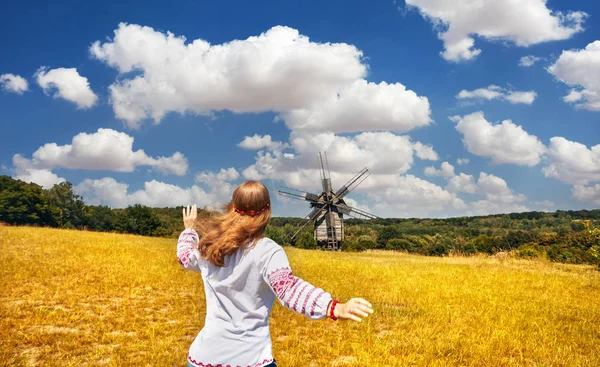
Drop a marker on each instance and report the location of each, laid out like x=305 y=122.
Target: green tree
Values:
x=140 y=219
x=387 y=233
x=24 y=204
x=306 y=240
x=484 y=243
x=101 y=218
x=399 y=244
x=276 y=234
x=71 y=209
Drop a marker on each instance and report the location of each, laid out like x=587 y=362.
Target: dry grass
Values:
x=80 y=298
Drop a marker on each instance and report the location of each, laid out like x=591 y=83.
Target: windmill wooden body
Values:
x=329 y=207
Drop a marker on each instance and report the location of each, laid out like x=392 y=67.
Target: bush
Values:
x=399 y=244
x=276 y=234
x=571 y=255
x=437 y=249
x=531 y=251
x=484 y=243
x=468 y=249
x=306 y=240
x=594 y=252
x=354 y=245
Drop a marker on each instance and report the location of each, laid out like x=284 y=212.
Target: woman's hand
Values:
x=189 y=216
x=354 y=309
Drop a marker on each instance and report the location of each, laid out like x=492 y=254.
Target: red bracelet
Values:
x=331 y=314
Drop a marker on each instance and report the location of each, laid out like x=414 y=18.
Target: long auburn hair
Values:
x=242 y=221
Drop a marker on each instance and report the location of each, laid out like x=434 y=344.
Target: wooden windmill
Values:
x=329 y=208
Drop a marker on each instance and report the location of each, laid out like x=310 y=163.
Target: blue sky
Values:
x=377 y=84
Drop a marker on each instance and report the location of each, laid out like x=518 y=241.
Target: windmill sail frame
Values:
x=329 y=207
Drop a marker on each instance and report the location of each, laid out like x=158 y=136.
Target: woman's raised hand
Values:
x=189 y=216
x=354 y=309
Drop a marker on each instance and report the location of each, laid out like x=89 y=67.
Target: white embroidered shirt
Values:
x=239 y=299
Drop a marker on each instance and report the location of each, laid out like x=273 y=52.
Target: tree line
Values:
x=563 y=236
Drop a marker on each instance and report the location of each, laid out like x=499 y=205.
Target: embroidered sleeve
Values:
x=293 y=292
x=187 y=251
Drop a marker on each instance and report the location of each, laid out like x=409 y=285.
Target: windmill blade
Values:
x=309 y=218
x=328 y=170
x=325 y=178
x=299 y=195
x=356 y=213
x=353 y=183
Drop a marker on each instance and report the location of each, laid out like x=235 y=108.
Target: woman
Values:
x=243 y=272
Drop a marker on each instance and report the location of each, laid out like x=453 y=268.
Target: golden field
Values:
x=71 y=298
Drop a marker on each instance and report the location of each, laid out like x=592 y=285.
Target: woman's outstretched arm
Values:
x=187 y=245
x=304 y=298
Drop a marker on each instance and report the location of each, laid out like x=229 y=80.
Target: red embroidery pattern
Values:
x=299 y=295
x=290 y=296
x=184 y=259
x=281 y=280
x=293 y=291
x=306 y=300
x=200 y=364
x=185 y=247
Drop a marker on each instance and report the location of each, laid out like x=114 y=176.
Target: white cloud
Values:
x=489 y=93
x=229 y=174
x=425 y=151
x=459 y=21
x=107 y=191
x=572 y=162
x=521 y=97
x=527 y=61
x=225 y=175
x=363 y=106
x=580 y=69
x=586 y=194
x=446 y=170
x=67 y=84
x=499 y=198
x=42 y=177
x=177 y=164
x=462 y=161
x=105 y=149
x=314 y=86
x=277 y=70
x=104 y=191
x=495 y=189
x=219 y=183
x=256 y=142
x=23 y=170
x=462 y=183
x=14 y=83
x=495 y=92
x=412 y=196
x=504 y=143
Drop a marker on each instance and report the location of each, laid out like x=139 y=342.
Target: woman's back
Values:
x=238 y=304
x=239 y=299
